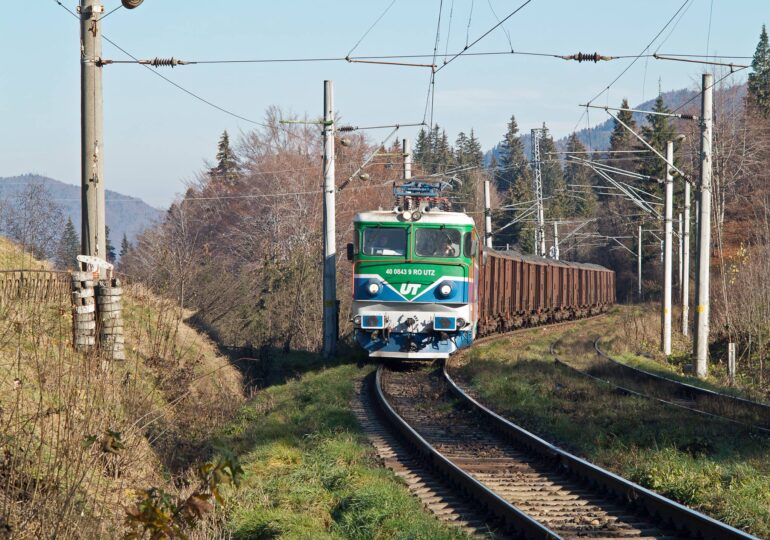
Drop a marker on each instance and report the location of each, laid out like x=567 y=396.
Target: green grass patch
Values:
x=674 y=370
x=309 y=471
x=713 y=466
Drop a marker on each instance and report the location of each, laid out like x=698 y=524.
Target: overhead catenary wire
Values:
x=485 y=34
x=503 y=28
x=432 y=85
x=310 y=59
x=196 y=96
x=625 y=70
x=177 y=85
x=370 y=28
x=110 y=12
x=449 y=28
x=673 y=27
x=699 y=93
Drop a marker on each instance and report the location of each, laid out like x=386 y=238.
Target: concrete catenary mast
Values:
x=537 y=182
x=330 y=233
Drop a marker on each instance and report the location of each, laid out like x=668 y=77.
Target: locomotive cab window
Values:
x=385 y=241
x=437 y=242
x=470 y=245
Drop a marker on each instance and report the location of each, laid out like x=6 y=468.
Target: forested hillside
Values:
x=126 y=215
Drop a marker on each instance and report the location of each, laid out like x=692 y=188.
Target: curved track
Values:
x=732 y=408
x=602 y=376
x=532 y=487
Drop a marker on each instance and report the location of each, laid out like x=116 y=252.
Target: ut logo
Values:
x=409 y=288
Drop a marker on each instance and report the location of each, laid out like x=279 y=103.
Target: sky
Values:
x=157 y=138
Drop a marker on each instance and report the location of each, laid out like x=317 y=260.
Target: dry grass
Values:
x=78 y=435
x=13 y=257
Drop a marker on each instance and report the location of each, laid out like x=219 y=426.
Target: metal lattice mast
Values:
x=537 y=182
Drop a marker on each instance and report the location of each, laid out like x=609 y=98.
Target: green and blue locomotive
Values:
x=415 y=276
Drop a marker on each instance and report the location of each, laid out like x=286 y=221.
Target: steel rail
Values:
x=677 y=516
x=512 y=517
x=628 y=391
x=762 y=409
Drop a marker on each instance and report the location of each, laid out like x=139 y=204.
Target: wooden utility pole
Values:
x=93 y=232
x=702 y=307
x=329 y=224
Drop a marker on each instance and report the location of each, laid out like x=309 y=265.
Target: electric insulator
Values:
x=587 y=57
x=131 y=4
x=163 y=62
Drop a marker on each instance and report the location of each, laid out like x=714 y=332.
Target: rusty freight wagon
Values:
x=519 y=290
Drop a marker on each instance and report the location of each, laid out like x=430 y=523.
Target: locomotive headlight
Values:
x=406 y=215
x=357 y=320
x=445 y=289
x=373 y=288
x=460 y=323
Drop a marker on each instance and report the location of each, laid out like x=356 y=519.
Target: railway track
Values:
x=532 y=488
x=731 y=408
x=601 y=375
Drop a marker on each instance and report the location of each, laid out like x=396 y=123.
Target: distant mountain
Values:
x=125 y=215
x=597 y=137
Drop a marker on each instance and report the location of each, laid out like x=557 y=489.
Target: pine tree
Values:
x=125 y=246
x=68 y=248
x=475 y=155
x=514 y=182
x=578 y=178
x=759 y=80
x=423 y=150
x=109 y=247
x=657 y=132
x=468 y=157
x=442 y=152
x=433 y=153
x=513 y=163
x=554 y=190
x=228 y=168
x=620 y=138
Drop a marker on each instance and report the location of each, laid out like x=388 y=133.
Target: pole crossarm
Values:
x=648 y=145
x=732 y=67
x=670 y=115
x=366 y=162
x=384 y=126
x=531 y=210
x=622 y=187
x=610 y=168
x=386 y=63
x=576 y=229
x=621 y=244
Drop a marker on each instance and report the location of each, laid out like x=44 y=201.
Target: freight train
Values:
x=423 y=287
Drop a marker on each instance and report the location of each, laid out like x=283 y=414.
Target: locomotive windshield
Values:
x=437 y=242
x=385 y=241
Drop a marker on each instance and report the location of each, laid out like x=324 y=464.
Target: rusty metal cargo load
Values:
x=518 y=290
